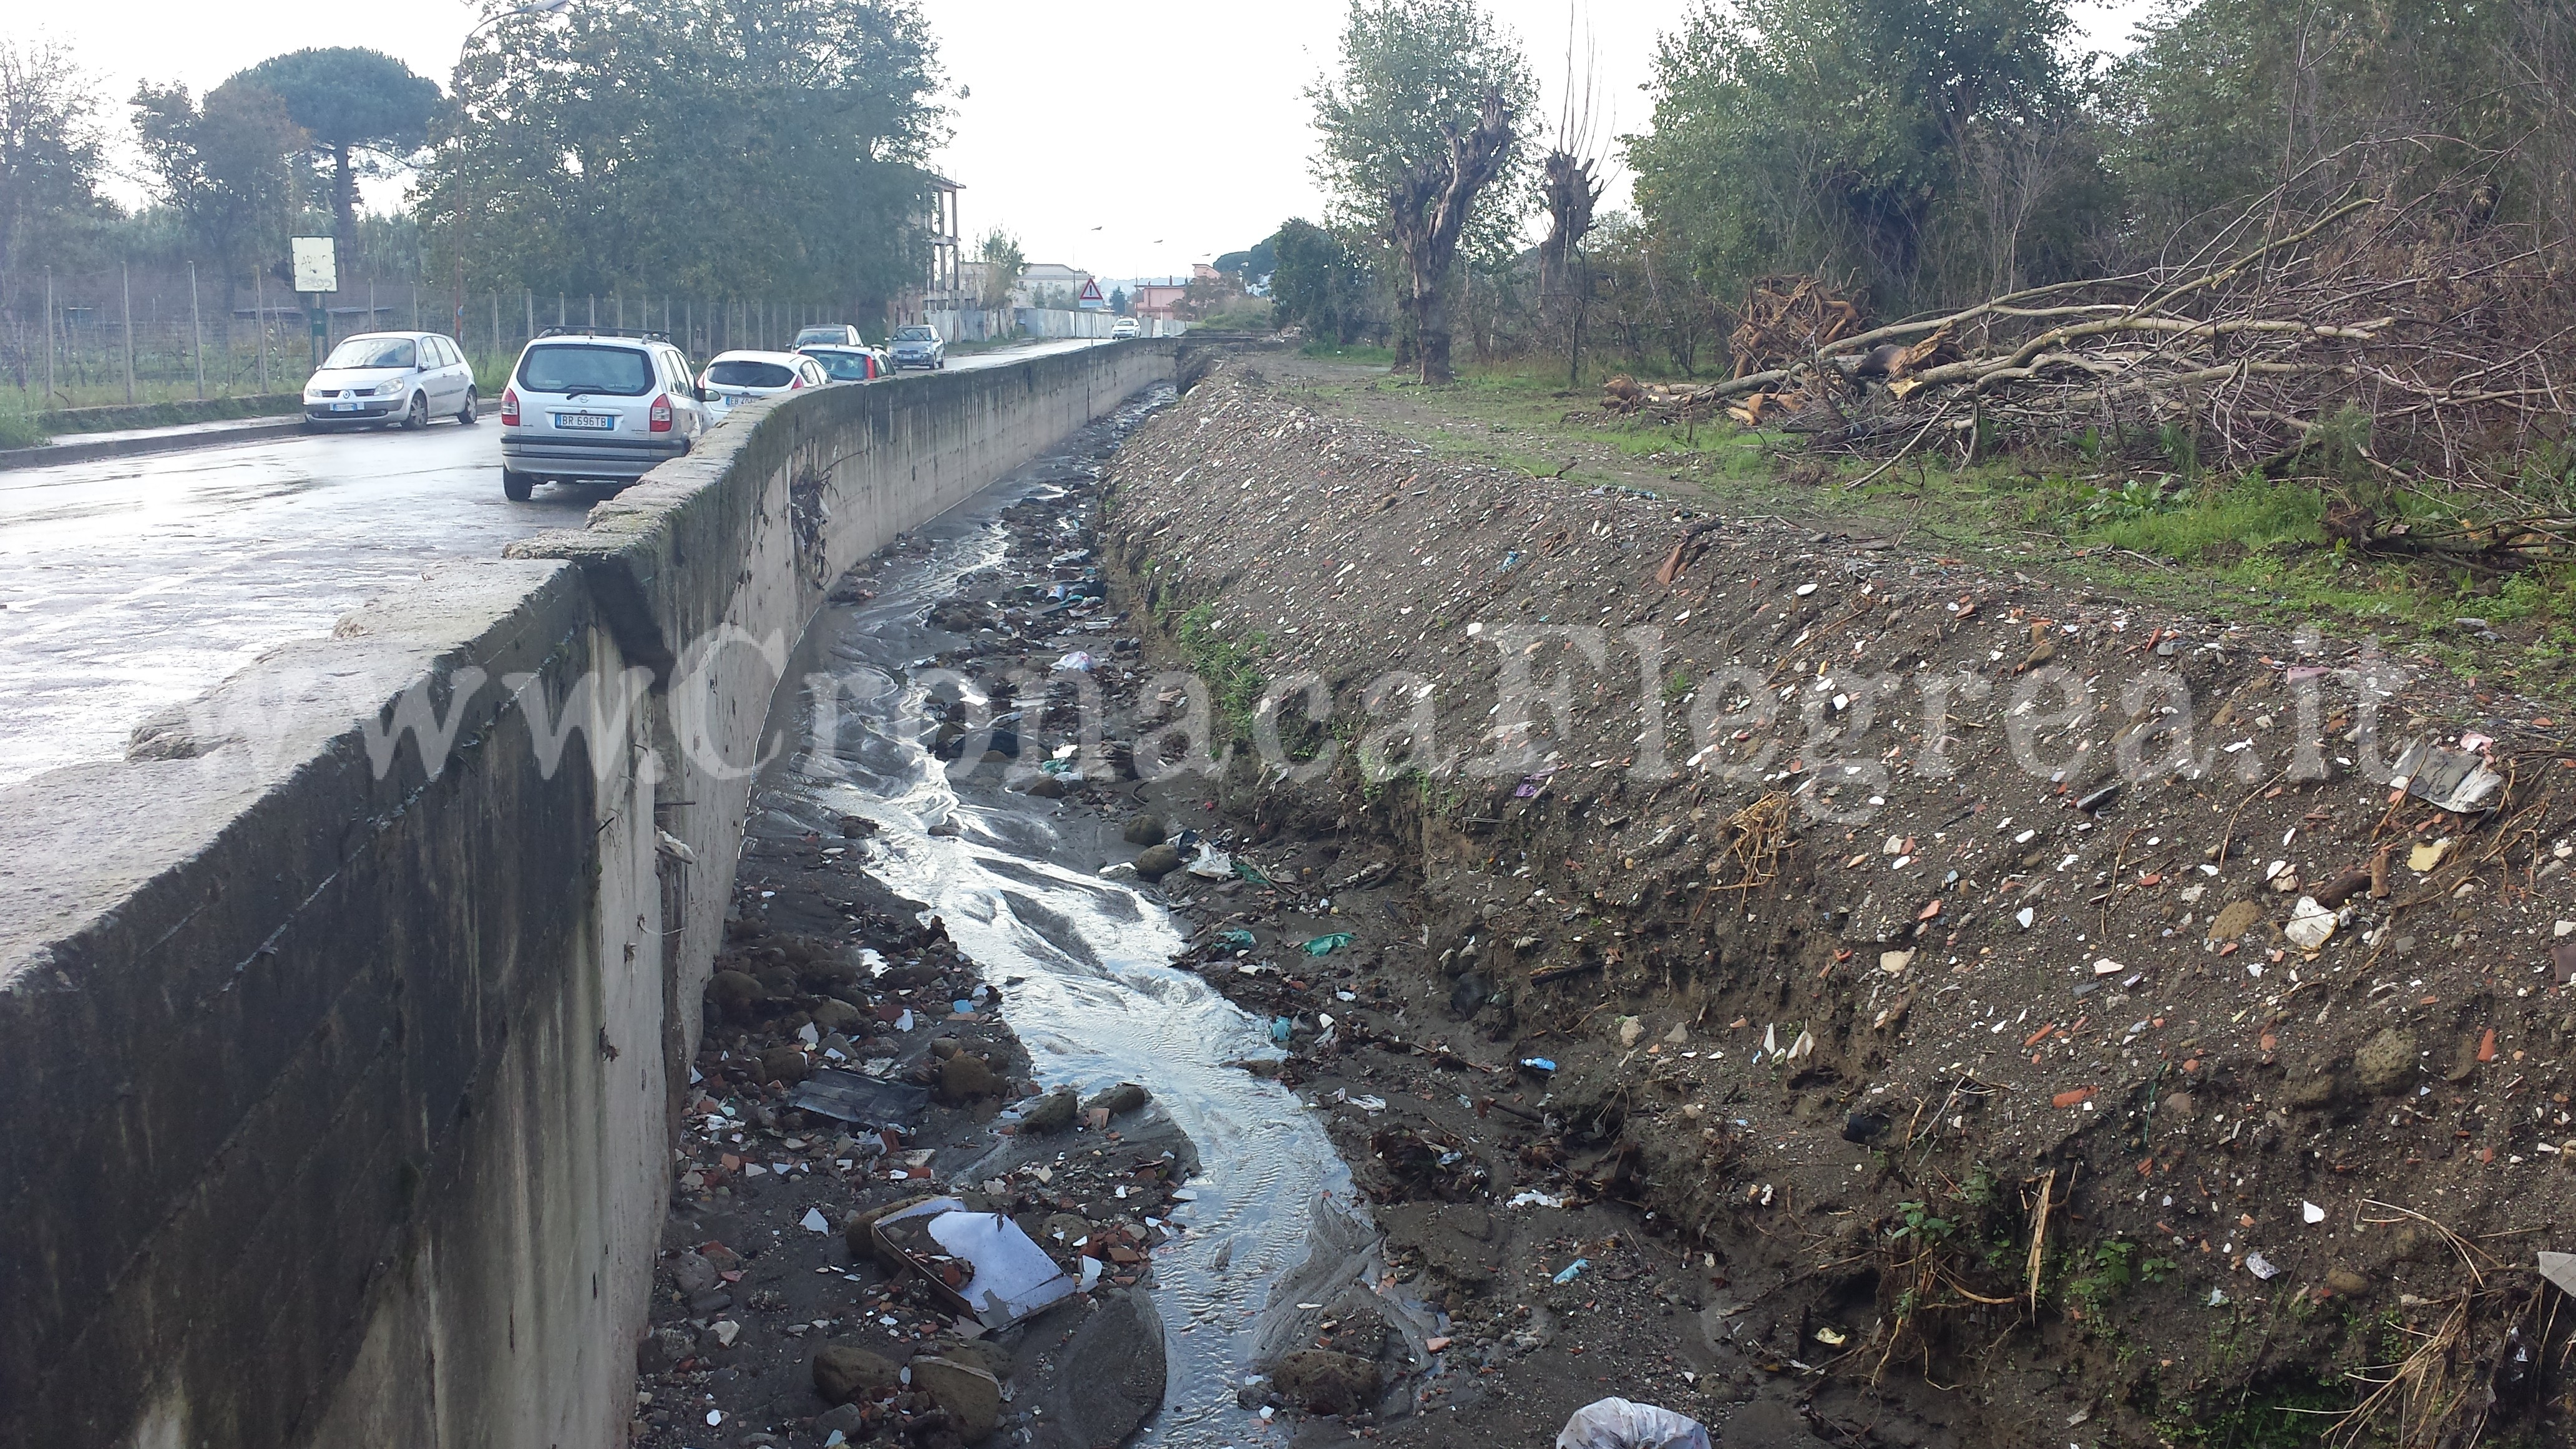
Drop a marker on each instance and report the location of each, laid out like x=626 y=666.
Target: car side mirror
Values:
x=701 y=393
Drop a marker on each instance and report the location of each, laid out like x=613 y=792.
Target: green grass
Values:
x=1231 y=667
x=2245 y=546
x=17 y=430
x=1356 y=353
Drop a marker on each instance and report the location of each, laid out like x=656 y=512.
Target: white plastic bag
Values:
x=1618 y=1424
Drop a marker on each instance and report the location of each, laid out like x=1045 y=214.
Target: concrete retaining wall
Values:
x=337 y=1087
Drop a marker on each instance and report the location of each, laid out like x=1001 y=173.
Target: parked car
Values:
x=585 y=403
x=735 y=378
x=832 y=334
x=919 y=346
x=390 y=377
x=847 y=364
x=1125 y=327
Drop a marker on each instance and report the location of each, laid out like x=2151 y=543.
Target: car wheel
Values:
x=517 y=486
x=466 y=414
x=416 y=417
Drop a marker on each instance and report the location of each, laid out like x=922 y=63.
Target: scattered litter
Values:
x=2312 y=1212
x=980 y=1262
x=1237 y=938
x=2454 y=780
x=1571 y=1269
x=1212 y=864
x=1538 y=1064
x=814 y=1221
x=1077 y=662
x=1326 y=945
x=1619 y=1424
x=2310 y=924
x=858 y=1098
x=2260 y=1266
x=2559 y=1268
x=2428 y=856
x=1529 y=1197
x=1832 y=1337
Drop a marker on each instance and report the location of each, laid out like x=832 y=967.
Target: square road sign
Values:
x=316 y=264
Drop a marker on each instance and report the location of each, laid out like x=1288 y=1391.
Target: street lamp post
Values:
x=456 y=88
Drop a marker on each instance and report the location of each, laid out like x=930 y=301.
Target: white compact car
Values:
x=595 y=403
x=390 y=377
x=1125 y=327
x=735 y=378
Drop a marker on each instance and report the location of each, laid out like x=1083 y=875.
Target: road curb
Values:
x=79 y=452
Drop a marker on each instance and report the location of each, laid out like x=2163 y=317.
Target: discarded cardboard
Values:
x=2454 y=780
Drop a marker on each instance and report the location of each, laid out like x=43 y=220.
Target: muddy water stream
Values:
x=1094 y=1001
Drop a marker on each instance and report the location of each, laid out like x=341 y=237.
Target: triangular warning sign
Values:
x=1090 y=289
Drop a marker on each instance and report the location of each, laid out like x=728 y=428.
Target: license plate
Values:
x=341 y=407
x=596 y=422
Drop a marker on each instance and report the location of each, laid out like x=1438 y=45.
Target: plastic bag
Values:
x=1618 y=1424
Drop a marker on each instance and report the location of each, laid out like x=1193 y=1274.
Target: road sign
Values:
x=316 y=264
x=1090 y=297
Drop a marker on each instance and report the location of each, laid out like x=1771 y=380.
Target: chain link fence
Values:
x=137 y=335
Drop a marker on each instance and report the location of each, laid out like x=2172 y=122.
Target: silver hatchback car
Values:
x=390 y=377
x=596 y=404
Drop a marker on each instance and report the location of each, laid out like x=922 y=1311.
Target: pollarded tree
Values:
x=364 y=110
x=1418 y=125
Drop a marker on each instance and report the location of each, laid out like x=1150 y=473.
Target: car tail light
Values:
x=509 y=407
x=659 y=418
x=799 y=382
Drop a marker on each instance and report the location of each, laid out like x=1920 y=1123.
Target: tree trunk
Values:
x=1428 y=209
x=1433 y=304
x=344 y=209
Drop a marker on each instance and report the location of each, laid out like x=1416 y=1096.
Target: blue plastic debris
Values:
x=1538 y=1064
x=1577 y=1266
x=1279 y=1028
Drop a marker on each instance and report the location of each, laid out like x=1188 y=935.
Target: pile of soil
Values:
x=1901 y=1002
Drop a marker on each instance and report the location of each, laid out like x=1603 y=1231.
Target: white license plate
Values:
x=595 y=422
x=341 y=407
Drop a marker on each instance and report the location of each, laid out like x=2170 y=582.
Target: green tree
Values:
x=365 y=111
x=1004 y=261
x=227 y=170
x=1828 y=135
x=1418 y=125
x=1254 y=262
x=50 y=154
x=729 y=147
x=2220 y=103
x=1318 y=283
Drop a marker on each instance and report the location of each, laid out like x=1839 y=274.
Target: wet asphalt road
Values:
x=130 y=584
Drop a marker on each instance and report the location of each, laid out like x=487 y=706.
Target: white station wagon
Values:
x=596 y=404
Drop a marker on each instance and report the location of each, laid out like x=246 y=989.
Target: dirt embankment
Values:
x=1974 y=1008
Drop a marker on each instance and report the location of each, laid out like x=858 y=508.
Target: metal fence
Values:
x=131 y=334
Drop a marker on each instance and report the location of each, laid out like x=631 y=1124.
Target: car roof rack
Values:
x=638 y=333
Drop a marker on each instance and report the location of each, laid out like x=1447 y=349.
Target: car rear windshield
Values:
x=743 y=372
x=843 y=366
x=374 y=352
x=914 y=334
x=580 y=367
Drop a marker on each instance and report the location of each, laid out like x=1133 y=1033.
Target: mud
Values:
x=1942 y=1048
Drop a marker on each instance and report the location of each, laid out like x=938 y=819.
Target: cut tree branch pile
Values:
x=2436 y=352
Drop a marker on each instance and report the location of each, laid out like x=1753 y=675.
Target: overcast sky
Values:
x=1125 y=137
